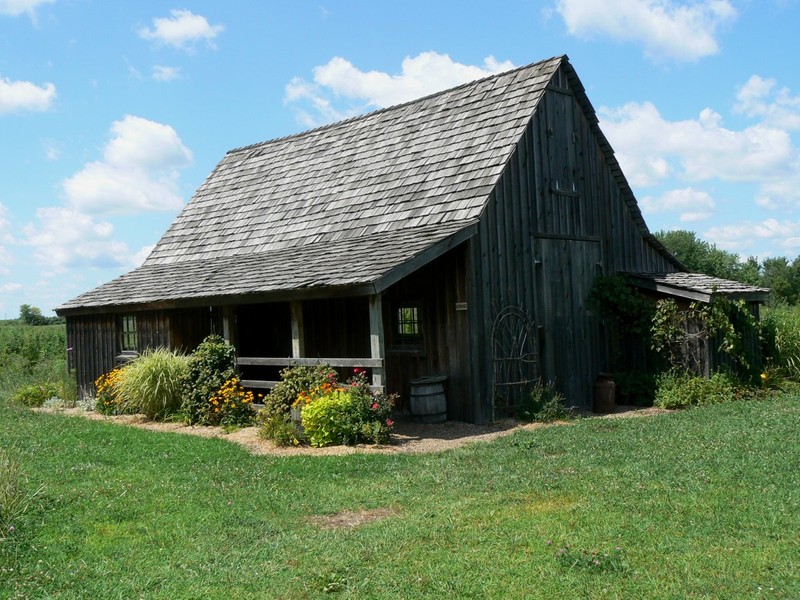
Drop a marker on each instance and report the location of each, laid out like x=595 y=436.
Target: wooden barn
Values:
x=456 y=235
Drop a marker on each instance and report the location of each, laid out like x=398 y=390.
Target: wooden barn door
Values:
x=571 y=351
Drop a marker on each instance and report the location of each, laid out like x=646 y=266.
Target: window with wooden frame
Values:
x=128 y=332
x=407 y=327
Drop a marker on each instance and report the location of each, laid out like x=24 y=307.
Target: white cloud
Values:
x=15 y=8
x=24 y=95
x=52 y=150
x=183 y=30
x=339 y=79
x=162 y=73
x=67 y=238
x=742 y=237
x=761 y=98
x=667 y=29
x=694 y=205
x=139 y=257
x=139 y=171
x=650 y=148
x=10 y=287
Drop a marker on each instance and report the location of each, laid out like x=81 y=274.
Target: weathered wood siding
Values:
x=560 y=215
x=440 y=290
x=95 y=339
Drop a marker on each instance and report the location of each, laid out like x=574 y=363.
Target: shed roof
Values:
x=345 y=205
x=696 y=286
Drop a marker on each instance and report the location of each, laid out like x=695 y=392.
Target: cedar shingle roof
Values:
x=341 y=205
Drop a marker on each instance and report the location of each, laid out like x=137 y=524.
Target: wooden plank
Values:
x=262 y=384
x=258 y=384
x=365 y=363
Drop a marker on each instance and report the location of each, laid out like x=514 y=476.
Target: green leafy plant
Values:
x=681 y=390
x=36 y=394
x=350 y=414
x=296 y=380
x=636 y=388
x=231 y=405
x=107 y=396
x=211 y=364
x=279 y=429
x=682 y=333
x=152 y=384
x=545 y=403
x=781 y=338
x=615 y=297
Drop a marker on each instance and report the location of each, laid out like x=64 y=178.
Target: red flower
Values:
x=375 y=406
x=389 y=422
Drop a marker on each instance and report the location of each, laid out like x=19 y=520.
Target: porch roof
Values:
x=352 y=266
x=697 y=286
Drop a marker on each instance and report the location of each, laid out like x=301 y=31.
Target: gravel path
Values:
x=407 y=436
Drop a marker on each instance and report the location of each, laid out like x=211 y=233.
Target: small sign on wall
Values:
x=461 y=306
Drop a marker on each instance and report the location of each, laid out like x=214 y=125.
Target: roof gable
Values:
x=427 y=162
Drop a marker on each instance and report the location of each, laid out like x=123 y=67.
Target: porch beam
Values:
x=298 y=332
x=376 y=340
x=269 y=361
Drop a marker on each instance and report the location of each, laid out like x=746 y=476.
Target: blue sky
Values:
x=113 y=113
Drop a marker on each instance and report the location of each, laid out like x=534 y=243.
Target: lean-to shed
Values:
x=458 y=235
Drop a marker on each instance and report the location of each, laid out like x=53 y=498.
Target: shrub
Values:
x=637 y=388
x=280 y=429
x=296 y=380
x=680 y=390
x=346 y=415
x=107 y=398
x=211 y=364
x=152 y=384
x=781 y=330
x=544 y=403
x=36 y=394
x=231 y=405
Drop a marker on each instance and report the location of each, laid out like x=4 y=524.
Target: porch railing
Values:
x=376 y=364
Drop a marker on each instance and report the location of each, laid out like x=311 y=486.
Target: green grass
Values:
x=703 y=503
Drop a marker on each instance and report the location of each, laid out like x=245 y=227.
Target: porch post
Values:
x=228 y=318
x=376 y=337
x=298 y=335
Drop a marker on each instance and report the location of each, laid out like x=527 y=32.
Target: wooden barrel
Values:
x=428 y=402
x=604 y=394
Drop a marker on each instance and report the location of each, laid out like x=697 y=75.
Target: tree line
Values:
x=32 y=315
x=779 y=274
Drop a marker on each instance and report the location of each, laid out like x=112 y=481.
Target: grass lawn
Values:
x=702 y=503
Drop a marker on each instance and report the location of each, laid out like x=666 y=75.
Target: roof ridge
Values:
x=350 y=120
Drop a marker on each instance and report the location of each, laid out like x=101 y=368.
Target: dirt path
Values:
x=407 y=436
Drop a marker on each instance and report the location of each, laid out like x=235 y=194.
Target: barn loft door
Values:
x=572 y=353
x=515 y=359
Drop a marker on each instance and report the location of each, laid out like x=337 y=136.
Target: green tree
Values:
x=31 y=315
x=700 y=256
x=783 y=278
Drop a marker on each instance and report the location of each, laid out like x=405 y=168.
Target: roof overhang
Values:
x=698 y=287
x=192 y=284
